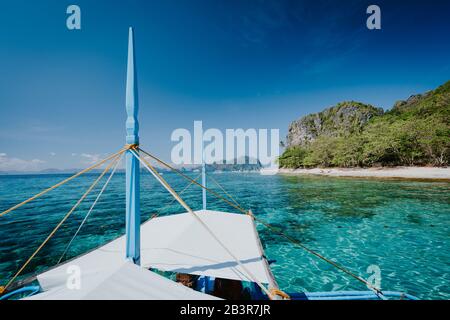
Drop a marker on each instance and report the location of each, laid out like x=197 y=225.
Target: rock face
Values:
x=434 y=103
x=344 y=118
x=403 y=105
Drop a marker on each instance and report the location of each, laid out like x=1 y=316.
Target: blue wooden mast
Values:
x=133 y=219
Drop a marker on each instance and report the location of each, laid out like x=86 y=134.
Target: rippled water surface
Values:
x=401 y=226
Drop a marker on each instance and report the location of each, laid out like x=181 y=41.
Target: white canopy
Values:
x=179 y=243
x=176 y=243
x=103 y=277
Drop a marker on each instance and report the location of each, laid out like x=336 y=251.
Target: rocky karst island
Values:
x=410 y=140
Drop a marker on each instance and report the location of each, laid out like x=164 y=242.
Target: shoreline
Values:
x=417 y=173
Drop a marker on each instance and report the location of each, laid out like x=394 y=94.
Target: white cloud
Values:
x=74 y=154
x=52 y=154
x=88 y=158
x=16 y=164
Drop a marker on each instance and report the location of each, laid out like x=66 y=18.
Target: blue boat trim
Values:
x=349 y=295
x=32 y=289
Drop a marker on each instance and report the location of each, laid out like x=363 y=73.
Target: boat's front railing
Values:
x=350 y=295
x=21 y=293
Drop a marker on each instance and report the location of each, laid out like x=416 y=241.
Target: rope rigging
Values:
x=173 y=200
x=158 y=177
x=225 y=191
x=194 y=182
x=95 y=165
x=294 y=241
x=115 y=160
x=68 y=214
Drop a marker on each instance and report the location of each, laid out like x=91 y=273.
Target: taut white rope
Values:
x=92 y=207
x=181 y=201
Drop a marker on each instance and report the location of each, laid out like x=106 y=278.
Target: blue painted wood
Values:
x=32 y=290
x=133 y=219
x=349 y=295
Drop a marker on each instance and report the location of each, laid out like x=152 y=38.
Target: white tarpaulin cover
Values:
x=179 y=243
x=110 y=279
x=175 y=243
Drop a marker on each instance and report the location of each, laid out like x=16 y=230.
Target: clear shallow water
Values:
x=401 y=226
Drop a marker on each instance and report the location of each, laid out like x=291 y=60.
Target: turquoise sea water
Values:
x=401 y=226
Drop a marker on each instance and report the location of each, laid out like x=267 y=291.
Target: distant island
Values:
x=415 y=132
x=243 y=164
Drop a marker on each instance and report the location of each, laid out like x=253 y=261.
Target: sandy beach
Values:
x=397 y=172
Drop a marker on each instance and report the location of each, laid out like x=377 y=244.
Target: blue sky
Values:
x=231 y=64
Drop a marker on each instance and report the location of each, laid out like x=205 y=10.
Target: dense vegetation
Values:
x=414 y=132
